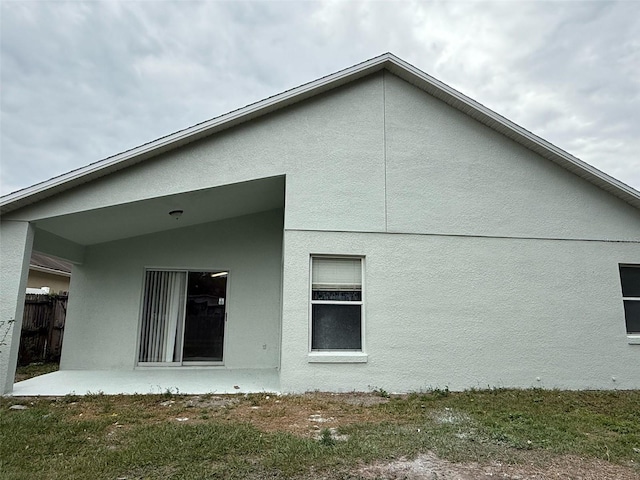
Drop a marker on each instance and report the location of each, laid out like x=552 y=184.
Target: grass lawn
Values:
x=321 y=435
x=35 y=369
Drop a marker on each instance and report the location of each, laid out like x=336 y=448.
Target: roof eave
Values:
x=514 y=131
x=53 y=271
x=395 y=65
x=42 y=190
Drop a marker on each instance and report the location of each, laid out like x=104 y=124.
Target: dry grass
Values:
x=512 y=433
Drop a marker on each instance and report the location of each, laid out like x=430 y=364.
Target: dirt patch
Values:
x=449 y=416
x=210 y=401
x=307 y=415
x=362 y=399
x=430 y=467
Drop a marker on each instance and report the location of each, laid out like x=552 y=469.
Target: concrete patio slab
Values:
x=184 y=380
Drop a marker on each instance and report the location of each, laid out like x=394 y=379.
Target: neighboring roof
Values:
x=45 y=263
x=393 y=64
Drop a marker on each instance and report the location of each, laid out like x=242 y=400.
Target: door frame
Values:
x=182 y=363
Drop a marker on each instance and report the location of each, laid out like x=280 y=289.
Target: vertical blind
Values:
x=336 y=273
x=162 y=316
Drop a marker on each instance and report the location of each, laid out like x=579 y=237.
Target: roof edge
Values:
x=52 y=271
x=395 y=65
x=556 y=154
x=102 y=167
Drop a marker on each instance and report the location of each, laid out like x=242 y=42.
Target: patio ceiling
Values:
x=149 y=216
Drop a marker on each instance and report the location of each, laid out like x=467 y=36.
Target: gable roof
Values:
x=388 y=61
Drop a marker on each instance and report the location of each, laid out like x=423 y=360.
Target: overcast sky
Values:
x=83 y=81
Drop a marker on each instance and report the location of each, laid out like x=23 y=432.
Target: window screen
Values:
x=630 y=281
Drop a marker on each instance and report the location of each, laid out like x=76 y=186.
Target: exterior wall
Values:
x=16 y=240
x=498 y=268
x=501 y=262
x=104 y=306
x=468 y=312
x=447 y=173
x=330 y=148
x=57 y=283
x=376 y=155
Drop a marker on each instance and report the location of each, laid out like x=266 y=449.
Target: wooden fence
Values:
x=42 y=328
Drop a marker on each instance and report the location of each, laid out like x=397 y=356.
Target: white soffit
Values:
x=388 y=61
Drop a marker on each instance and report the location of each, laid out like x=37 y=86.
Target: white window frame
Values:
x=633 y=338
x=181 y=363
x=338 y=356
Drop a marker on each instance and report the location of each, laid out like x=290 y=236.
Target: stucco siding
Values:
x=106 y=290
x=447 y=173
x=330 y=148
x=469 y=312
x=16 y=241
x=376 y=155
x=485 y=264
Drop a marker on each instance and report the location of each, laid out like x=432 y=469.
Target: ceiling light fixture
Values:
x=176 y=214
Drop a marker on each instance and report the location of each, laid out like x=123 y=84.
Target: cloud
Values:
x=82 y=81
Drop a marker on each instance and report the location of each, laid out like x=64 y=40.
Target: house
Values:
x=374 y=228
x=48 y=274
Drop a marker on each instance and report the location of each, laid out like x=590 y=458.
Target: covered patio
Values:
x=183 y=380
x=233 y=232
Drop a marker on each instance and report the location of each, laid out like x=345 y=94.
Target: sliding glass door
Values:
x=205 y=317
x=183 y=317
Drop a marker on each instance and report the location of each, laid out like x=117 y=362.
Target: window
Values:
x=630 y=280
x=336 y=304
x=183 y=317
